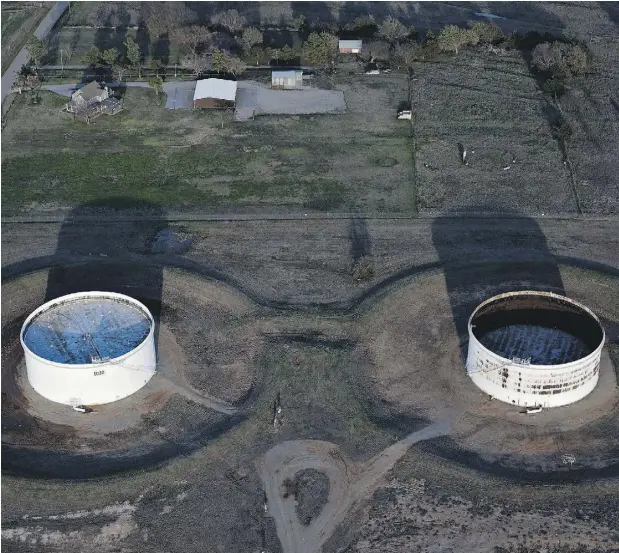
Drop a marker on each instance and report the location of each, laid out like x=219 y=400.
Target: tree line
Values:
x=388 y=41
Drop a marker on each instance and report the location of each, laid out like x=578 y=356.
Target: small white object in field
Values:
x=507 y=167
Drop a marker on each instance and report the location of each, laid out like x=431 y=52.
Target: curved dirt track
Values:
x=349 y=484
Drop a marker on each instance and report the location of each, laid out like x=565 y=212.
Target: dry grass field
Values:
x=492 y=107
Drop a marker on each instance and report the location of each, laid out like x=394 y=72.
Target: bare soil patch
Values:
x=414 y=364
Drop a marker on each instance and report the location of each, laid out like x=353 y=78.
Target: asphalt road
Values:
x=8 y=79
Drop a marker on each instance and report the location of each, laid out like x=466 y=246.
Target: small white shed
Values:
x=287 y=79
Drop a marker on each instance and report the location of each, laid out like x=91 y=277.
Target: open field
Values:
x=356 y=161
x=18 y=23
x=492 y=107
x=592 y=109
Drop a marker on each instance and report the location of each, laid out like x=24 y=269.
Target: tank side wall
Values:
x=528 y=386
x=101 y=383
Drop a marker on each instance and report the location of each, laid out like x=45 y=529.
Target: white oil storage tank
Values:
x=534 y=349
x=89 y=348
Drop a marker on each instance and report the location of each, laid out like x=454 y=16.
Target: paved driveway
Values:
x=8 y=79
x=179 y=94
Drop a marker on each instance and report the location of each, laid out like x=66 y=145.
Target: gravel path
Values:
x=349 y=484
x=8 y=79
x=253 y=98
x=69 y=88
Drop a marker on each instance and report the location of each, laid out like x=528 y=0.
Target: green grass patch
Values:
x=185 y=158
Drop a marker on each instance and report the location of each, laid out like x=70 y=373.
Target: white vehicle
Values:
x=533 y=410
x=405 y=114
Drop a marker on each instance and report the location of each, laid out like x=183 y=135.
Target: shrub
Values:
x=487 y=33
x=559 y=59
x=554 y=87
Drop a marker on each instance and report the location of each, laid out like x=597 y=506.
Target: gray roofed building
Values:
x=350 y=46
x=92 y=100
x=92 y=92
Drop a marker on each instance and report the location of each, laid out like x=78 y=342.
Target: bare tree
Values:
x=191 y=37
x=163 y=17
x=231 y=20
x=405 y=54
x=118 y=71
x=392 y=30
x=198 y=64
x=375 y=50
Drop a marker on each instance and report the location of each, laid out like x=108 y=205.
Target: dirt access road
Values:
x=349 y=484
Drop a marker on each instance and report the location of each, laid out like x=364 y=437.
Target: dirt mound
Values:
x=311 y=492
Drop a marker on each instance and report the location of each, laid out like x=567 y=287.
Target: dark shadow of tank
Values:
x=485 y=256
x=105 y=242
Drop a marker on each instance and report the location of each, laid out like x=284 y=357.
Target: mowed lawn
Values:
x=202 y=160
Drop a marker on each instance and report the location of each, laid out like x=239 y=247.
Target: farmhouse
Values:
x=92 y=100
x=289 y=79
x=87 y=96
x=214 y=93
x=350 y=46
